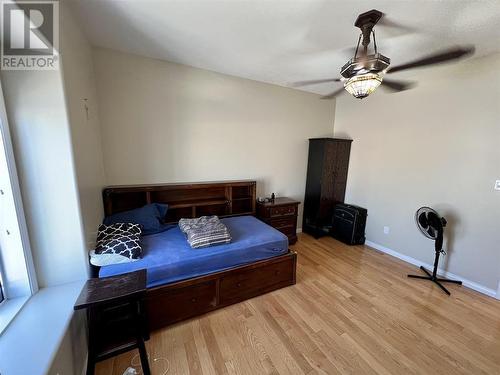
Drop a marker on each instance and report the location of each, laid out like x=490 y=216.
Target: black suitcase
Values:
x=349 y=223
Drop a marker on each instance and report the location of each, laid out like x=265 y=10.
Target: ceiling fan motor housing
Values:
x=375 y=63
x=366 y=21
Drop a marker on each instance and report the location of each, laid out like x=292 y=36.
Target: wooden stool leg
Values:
x=144 y=357
x=91 y=342
x=90 y=366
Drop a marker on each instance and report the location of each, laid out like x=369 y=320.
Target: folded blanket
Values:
x=204 y=231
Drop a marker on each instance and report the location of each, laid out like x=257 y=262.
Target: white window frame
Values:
x=11 y=306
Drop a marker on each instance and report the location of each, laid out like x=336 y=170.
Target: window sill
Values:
x=9 y=309
x=32 y=339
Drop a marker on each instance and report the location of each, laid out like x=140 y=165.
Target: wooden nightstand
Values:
x=116 y=320
x=282 y=215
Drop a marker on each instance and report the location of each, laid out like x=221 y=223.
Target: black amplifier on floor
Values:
x=349 y=223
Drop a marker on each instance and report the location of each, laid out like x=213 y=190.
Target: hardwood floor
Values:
x=353 y=311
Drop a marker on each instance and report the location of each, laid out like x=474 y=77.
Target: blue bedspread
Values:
x=168 y=257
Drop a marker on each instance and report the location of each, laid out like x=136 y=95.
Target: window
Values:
x=1 y=291
x=17 y=281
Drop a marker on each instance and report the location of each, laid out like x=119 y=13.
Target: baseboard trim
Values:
x=469 y=284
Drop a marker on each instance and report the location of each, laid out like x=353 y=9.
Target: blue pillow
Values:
x=149 y=217
x=162 y=210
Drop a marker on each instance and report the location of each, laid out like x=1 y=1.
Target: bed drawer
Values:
x=166 y=307
x=250 y=283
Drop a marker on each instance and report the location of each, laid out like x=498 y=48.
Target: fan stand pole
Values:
x=433 y=277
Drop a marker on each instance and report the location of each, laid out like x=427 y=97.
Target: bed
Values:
x=168 y=258
x=185 y=282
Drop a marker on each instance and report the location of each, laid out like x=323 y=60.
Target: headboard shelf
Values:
x=222 y=198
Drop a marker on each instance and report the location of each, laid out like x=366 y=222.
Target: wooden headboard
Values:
x=222 y=198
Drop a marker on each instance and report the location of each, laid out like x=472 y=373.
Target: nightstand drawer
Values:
x=283 y=210
x=281 y=214
x=283 y=223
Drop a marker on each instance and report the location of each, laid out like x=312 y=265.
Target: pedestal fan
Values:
x=432 y=226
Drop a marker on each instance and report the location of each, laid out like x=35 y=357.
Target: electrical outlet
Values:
x=497 y=185
x=387 y=230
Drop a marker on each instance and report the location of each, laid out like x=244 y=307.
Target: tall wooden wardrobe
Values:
x=326 y=182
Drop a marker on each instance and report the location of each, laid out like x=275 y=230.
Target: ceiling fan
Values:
x=362 y=74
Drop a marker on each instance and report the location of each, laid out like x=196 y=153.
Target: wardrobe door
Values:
x=327 y=183
x=313 y=182
x=341 y=165
x=326 y=180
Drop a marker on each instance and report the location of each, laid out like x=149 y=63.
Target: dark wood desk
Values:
x=282 y=215
x=116 y=317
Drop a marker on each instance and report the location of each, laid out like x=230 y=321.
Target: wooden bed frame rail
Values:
x=170 y=303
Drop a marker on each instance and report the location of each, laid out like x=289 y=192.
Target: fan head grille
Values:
x=429 y=222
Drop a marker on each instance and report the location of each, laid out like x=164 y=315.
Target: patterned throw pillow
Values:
x=117 y=243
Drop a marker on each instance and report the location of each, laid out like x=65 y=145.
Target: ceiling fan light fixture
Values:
x=362 y=85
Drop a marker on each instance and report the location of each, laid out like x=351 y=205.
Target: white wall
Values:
x=436 y=145
x=81 y=101
x=16 y=262
x=71 y=358
x=164 y=122
x=59 y=157
x=40 y=132
x=79 y=84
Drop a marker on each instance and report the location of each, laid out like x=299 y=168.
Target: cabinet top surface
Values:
x=331 y=139
x=280 y=201
x=96 y=291
x=180 y=184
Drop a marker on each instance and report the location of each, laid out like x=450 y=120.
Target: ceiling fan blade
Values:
x=441 y=57
x=397 y=86
x=315 y=82
x=388 y=22
x=333 y=94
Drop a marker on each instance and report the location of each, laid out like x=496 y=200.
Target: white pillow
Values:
x=107 y=259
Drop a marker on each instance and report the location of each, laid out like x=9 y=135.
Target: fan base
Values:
x=436 y=280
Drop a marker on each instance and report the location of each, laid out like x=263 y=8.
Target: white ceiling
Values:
x=282 y=41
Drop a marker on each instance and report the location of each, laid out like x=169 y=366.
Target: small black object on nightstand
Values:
x=280 y=213
x=116 y=317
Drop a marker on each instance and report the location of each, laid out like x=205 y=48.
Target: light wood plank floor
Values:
x=353 y=311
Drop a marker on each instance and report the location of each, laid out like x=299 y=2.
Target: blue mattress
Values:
x=167 y=256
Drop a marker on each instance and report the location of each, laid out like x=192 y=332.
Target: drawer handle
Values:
x=193 y=300
x=238 y=285
x=276 y=273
